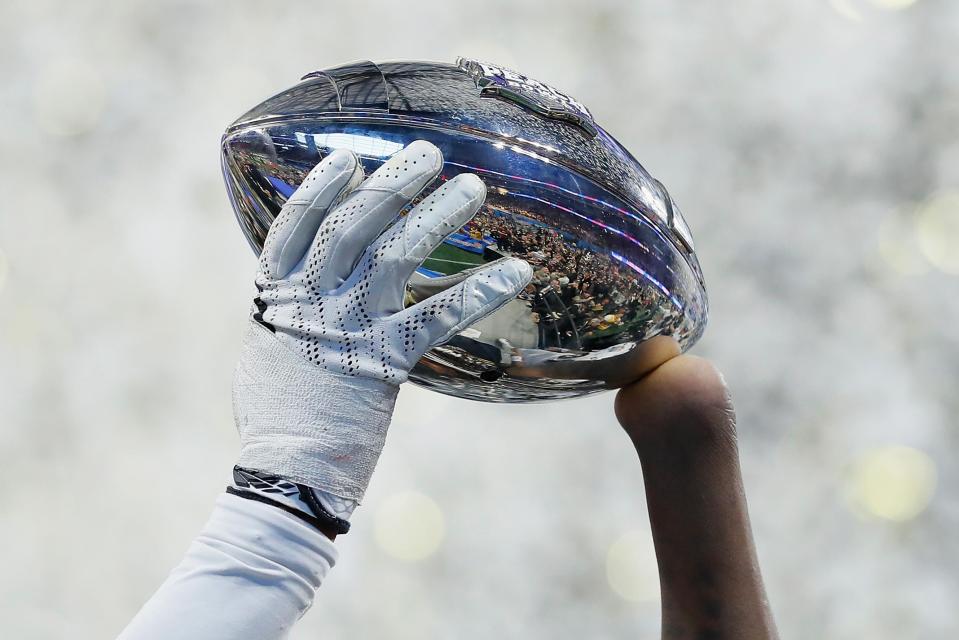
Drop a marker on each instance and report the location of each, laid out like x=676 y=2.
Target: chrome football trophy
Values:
x=617 y=289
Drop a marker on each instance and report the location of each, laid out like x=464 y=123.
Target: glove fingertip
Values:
x=523 y=271
x=472 y=185
x=341 y=159
x=496 y=285
x=425 y=150
x=514 y=274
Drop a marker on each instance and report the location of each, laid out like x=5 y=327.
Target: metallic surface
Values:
x=617 y=288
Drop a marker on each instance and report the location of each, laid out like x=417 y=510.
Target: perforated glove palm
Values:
x=330 y=340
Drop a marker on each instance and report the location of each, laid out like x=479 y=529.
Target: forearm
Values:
x=250 y=574
x=681 y=421
x=711 y=582
x=330 y=341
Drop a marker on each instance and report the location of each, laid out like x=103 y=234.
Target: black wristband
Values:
x=323 y=520
x=296 y=499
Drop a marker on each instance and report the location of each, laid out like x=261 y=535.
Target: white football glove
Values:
x=330 y=341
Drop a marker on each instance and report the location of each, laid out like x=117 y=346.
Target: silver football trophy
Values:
x=617 y=289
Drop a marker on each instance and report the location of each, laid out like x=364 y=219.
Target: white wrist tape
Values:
x=302 y=422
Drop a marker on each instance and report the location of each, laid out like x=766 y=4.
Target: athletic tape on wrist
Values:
x=304 y=423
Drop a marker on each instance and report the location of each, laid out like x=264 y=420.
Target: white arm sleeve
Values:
x=250 y=574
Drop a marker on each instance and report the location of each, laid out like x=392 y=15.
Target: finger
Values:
x=396 y=254
x=352 y=226
x=681 y=421
x=433 y=220
x=294 y=228
x=444 y=315
x=423 y=286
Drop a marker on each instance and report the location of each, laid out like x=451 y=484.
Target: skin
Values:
x=680 y=419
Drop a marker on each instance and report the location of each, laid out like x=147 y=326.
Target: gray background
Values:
x=803 y=139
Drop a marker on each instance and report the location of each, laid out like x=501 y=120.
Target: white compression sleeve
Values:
x=250 y=574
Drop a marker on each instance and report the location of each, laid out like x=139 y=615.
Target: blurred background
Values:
x=812 y=145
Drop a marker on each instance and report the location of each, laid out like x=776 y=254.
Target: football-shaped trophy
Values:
x=617 y=289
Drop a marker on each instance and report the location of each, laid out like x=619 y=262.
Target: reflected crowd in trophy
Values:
x=580 y=299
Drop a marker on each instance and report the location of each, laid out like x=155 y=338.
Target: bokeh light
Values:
x=899 y=245
x=631 y=567
x=409 y=526
x=937 y=229
x=68 y=98
x=894 y=483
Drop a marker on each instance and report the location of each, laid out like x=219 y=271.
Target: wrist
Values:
x=682 y=405
x=297 y=500
x=303 y=423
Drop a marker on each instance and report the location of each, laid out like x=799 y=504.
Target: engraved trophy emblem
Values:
x=535 y=95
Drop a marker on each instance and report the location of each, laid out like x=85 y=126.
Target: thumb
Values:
x=476 y=296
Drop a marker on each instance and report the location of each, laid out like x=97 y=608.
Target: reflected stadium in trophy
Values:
x=617 y=288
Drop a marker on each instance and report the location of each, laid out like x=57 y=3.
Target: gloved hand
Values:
x=330 y=341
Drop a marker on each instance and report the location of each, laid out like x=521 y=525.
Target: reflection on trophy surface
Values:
x=616 y=289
